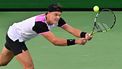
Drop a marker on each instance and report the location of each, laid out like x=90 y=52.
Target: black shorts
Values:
x=15 y=46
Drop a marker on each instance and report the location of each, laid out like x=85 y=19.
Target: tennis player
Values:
x=41 y=24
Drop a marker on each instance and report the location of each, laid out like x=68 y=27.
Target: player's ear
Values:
x=48 y=12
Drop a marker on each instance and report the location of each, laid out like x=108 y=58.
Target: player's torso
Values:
x=24 y=30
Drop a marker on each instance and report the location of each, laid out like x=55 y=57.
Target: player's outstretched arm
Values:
x=76 y=32
x=70 y=29
x=61 y=41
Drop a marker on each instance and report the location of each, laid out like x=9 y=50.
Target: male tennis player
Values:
x=41 y=24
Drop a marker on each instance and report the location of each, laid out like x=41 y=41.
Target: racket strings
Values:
x=101 y=27
x=104 y=21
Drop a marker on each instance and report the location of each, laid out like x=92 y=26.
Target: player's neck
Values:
x=47 y=20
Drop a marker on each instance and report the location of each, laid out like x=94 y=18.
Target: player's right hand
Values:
x=88 y=36
x=81 y=41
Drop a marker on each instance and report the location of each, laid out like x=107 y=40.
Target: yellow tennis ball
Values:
x=96 y=9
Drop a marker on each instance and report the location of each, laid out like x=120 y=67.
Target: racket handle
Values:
x=92 y=33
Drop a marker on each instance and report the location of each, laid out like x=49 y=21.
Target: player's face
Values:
x=53 y=17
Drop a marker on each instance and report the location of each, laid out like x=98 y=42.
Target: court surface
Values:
x=104 y=51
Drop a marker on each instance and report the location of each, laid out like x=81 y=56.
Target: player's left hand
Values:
x=88 y=36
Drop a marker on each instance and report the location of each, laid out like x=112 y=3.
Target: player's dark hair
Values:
x=54 y=7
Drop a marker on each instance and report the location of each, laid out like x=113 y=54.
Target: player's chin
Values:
x=55 y=22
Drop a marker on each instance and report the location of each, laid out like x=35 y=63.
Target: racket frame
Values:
x=95 y=19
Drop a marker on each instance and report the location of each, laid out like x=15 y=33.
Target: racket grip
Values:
x=92 y=33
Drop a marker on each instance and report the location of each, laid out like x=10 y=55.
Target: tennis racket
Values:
x=104 y=21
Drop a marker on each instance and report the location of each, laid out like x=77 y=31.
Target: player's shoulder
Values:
x=41 y=17
x=61 y=22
